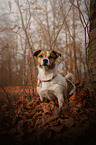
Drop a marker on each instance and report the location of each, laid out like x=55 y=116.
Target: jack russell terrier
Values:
x=51 y=85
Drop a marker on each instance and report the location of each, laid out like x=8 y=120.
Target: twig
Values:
x=8 y=98
x=61 y=27
x=29 y=15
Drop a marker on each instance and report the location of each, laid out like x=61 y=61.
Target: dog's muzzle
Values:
x=45 y=62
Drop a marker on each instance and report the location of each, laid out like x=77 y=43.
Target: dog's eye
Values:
x=40 y=56
x=50 y=56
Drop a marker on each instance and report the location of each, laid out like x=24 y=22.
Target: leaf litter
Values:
x=38 y=122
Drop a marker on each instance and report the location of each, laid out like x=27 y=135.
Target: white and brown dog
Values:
x=51 y=85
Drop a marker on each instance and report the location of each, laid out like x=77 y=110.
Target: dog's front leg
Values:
x=41 y=98
x=40 y=94
x=60 y=100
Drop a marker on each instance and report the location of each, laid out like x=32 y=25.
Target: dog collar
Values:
x=40 y=81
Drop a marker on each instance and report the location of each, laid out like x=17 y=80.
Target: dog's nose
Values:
x=45 y=61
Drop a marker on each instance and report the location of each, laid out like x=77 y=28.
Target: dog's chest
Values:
x=46 y=85
x=47 y=90
x=52 y=88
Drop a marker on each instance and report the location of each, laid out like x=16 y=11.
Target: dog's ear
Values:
x=56 y=54
x=36 y=53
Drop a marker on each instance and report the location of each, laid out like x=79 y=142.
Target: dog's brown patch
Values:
x=42 y=54
x=51 y=55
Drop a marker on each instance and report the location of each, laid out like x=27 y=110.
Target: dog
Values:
x=51 y=85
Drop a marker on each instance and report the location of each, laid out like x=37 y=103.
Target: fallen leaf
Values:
x=46 y=109
x=31 y=114
x=69 y=122
x=72 y=98
x=57 y=128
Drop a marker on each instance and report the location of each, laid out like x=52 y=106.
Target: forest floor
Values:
x=31 y=122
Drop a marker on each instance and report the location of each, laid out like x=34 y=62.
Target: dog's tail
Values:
x=69 y=76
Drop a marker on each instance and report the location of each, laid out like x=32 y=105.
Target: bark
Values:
x=92 y=45
x=74 y=44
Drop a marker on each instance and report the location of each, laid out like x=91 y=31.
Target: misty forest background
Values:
x=29 y=25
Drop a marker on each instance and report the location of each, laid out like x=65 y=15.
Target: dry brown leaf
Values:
x=32 y=114
x=72 y=98
x=69 y=122
x=50 y=119
x=61 y=7
x=38 y=122
x=56 y=110
x=84 y=118
x=31 y=103
x=57 y=128
x=86 y=124
x=37 y=115
x=46 y=109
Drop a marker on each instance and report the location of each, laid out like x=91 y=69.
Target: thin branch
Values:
x=61 y=27
x=8 y=98
x=29 y=15
x=23 y=26
x=19 y=34
x=81 y=13
x=6 y=28
x=48 y=26
x=8 y=14
x=66 y=21
x=41 y=25
x=87 y=8
x=71 y=1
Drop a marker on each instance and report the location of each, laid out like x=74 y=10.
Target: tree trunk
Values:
x=74 y=45
x=92 y=45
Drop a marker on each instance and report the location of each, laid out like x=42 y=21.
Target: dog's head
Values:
x=46 y=59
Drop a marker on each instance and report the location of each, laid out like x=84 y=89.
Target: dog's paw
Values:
x=60 y=105
x=41 y=98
